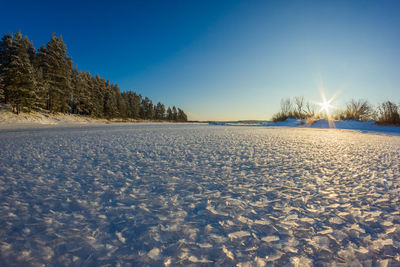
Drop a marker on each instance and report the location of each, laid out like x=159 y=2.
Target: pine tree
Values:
x=5 y=60
x=41 y=89
x=30 y=49
x=75 y=90
x=132 y=101
x=46 y=79
x=147 y=109
x=57 y=67
x=98 y=88
x=80 y=98
x=150 y=111
x=86 y=99
x=170 y=115
x=159 y=111
x=110 y=103
x=174 y=114
x=120 y=102
x=181 y=116
x=1 y=87
x=20 y=76
x=5 y=48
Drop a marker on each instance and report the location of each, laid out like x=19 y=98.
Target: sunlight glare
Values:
x=325 y=106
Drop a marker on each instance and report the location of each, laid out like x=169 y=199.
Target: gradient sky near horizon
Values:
x=226 y=60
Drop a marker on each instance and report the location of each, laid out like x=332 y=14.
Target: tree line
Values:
x=47 y=79
x=386 y=113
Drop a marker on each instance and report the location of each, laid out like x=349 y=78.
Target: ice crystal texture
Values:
x=198 y=194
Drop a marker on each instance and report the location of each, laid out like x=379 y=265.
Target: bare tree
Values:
x=299 y=101
x=310 y=110
x=287 y=107
x=286 y=111
x=388 y=113
x=358 y=110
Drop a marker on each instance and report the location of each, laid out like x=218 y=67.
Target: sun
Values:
x=325 y=105
x=327 y=109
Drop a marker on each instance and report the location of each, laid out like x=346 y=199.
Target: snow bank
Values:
x=367 y=126
x=39 y=119
x=9 y=119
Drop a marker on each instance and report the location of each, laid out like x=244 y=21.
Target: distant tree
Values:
x=182 y=117
x=299 y=102
x=120 y=102
x=142 y=111
x=147 y=109
x=133 y=105
x=76 y=90
x=388 y=113
x=84 y=93
x=287 y=107
x=357 y=110
x=285 y=112
x=110 y=104
x=159 y=111
x=1 y=88
x=310 y=110
x=150 y=111
x=98 y=89
x=170 y=115
x=174 y=114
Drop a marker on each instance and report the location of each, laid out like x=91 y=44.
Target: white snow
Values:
x=154 y=254
x=270 y=238
x=181 y=194
x=363 y=126
x=10 y=120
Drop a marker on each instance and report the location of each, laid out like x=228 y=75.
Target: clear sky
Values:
x=225 y=60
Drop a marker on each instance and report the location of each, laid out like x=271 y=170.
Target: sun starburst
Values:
x=326 y=106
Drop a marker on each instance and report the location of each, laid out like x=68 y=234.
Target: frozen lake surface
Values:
x=149 y=194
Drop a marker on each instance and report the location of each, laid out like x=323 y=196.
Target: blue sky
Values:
x=226 y=60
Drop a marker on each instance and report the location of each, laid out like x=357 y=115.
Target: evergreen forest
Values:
x=46 y=79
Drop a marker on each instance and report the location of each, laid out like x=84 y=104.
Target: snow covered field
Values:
x=149 y=194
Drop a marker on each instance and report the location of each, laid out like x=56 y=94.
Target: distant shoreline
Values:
x=363 y=126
